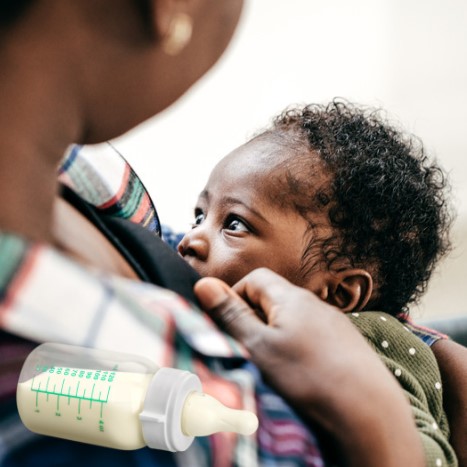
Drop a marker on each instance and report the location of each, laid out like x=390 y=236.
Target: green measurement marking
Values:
x=92 y=394
x=106 y=399
x=71 y=396
x=67 y=393
x=79 y=402
x=37 y=394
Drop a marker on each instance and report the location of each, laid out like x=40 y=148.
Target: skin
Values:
x=87 y=71
x=65 y=70
x=67 y=67
x=239 y=228
x=284 y=343
x=452 y=359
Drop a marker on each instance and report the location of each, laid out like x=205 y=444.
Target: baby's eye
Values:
x=235 y=224
x=199 y=218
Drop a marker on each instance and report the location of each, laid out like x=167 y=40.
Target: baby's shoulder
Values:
x=390 y=336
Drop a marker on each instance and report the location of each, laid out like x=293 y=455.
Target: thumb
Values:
x=227 y=309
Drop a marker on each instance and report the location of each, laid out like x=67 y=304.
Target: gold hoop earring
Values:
x=179 y=34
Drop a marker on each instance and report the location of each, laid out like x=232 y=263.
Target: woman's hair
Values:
x=385 y=201
x=11 y=10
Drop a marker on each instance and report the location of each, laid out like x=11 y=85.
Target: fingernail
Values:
x=210 y=293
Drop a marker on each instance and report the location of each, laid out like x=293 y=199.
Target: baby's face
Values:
x=237 y=225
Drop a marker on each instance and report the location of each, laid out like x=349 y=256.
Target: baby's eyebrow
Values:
x=203 y=199
x=204 y=194
x=230 y=200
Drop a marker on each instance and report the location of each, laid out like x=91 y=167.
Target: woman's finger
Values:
x=274 y=297
x=227 y=309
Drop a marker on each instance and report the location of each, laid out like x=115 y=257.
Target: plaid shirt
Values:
x=45 y=297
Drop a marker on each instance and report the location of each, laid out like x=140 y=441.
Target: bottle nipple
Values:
x=204 y=415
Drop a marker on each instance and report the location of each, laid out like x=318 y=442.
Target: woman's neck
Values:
x=29 y=156
x=39 y=117
x=27 y=190
x=35 y=132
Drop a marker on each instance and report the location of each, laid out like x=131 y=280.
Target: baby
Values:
x=332 y=198
x=338 y=201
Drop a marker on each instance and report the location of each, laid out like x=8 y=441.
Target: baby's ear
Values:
x=350 y=289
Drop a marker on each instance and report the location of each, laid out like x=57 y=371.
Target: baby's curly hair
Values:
x=385 y=200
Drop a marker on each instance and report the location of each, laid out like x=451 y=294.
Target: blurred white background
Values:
x=407 y=56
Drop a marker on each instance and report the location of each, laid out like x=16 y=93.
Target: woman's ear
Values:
x=349 y=290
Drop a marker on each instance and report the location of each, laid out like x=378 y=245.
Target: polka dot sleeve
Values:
x=413 y=364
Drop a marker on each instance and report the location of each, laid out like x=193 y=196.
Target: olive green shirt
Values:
x=414 y=365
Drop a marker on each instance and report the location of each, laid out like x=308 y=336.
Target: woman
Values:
x=87 y=71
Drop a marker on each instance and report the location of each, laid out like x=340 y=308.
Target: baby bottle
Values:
x=118 y=400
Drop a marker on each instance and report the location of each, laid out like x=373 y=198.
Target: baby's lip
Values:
x=188 y=259
x=194 y=263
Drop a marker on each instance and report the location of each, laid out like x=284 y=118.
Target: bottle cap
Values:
x=161 y=418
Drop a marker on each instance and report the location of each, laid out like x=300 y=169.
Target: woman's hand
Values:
x=312 y=355
x=452 y=359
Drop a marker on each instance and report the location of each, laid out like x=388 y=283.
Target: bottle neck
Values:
x=161 y=418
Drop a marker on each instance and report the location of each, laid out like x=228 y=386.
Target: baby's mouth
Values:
x=192 y=261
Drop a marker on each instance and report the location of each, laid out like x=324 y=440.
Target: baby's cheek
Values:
x=232 y=271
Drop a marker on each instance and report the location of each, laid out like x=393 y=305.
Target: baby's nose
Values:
x=194 y=244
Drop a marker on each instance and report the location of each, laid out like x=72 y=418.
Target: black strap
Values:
x=151 y=259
